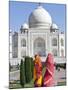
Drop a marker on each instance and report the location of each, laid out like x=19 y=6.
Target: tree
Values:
x=10 y=67
x=28 y=72
x=22 y=73
x=32 y=66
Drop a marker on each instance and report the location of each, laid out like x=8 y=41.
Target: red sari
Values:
x=49 y=74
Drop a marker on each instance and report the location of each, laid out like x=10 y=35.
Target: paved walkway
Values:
x=60 y=76
x=15 y=75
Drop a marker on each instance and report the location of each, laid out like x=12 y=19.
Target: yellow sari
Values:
x=37 y=71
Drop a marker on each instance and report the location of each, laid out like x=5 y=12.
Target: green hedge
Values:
x=28 y=68
x=22 y=73
x=61 y=66
x=32 y=65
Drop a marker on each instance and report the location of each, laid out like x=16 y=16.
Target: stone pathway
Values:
x=60 y=76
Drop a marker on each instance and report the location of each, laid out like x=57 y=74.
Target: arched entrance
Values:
x=39 y=46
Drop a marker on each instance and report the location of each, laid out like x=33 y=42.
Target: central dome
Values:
x=39 y=17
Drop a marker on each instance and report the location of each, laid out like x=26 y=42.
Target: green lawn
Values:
x=43 y=72
x=61 y=83
x=31 y=84
x=16 y=84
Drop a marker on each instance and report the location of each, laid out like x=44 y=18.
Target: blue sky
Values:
x=19 y=13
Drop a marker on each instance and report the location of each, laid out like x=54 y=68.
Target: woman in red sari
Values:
x=49 y=74
x=37 y=71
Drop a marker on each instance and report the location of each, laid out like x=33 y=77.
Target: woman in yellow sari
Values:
x=37 y=71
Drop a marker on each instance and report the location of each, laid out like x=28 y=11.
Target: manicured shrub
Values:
x=22 y=73
x=32 y=65
x=10 y=67
x=61 y=66
x=65 y=66
x=18 y=66
x=28 y=69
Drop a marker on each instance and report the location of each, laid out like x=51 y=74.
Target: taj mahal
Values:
x=39 y=36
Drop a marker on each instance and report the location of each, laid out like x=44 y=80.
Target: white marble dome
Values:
x=54 y=26
x=39 y=17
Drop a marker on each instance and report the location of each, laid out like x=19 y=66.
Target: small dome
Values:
x=39 y=17
x=25 y=26
x=54 y=26
x=10 y=30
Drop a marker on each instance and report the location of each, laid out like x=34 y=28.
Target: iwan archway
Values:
x=39 y=47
